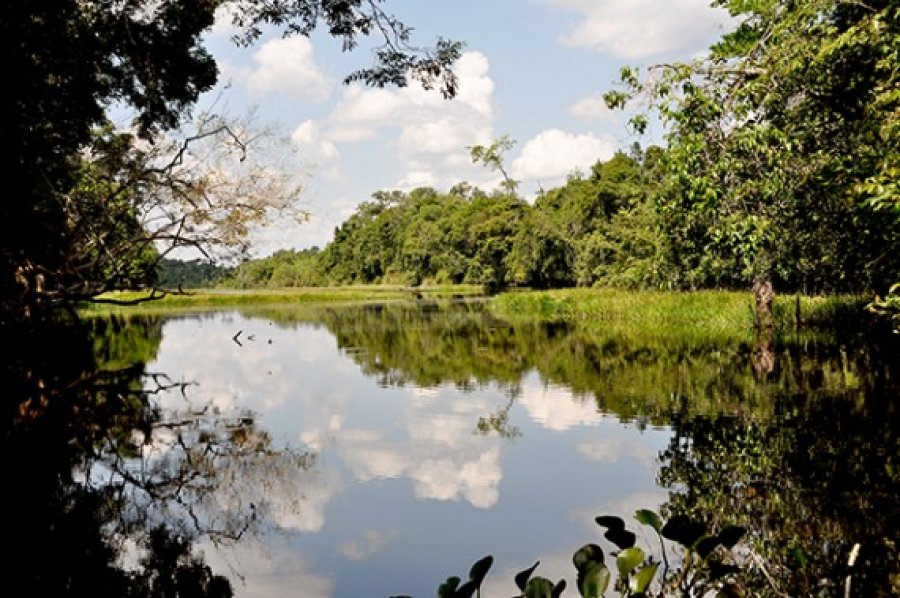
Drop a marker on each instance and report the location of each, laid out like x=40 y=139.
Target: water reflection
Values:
x=391 y=445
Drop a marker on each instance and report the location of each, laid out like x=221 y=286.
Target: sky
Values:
x=534 y=70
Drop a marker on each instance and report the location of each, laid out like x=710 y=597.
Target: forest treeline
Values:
x=607 y=227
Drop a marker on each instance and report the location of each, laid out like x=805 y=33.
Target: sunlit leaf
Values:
x=640 y=581
x=648 y=517
x=628 y=559
x=593 y=580
x=523 y=576
x=539 y=587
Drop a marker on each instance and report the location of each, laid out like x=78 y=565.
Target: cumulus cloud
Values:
x=591 y=108
x=434 y=133
x=640 y=29
x=554 y=153
x=555 y=408
x=287 y=66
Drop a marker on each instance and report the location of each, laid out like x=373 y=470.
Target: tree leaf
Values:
x=648 y=517
x=642 y=578
x=628 y=559
x=522 y=576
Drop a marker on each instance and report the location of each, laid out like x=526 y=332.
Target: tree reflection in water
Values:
x=803 y=453
x=107 y=493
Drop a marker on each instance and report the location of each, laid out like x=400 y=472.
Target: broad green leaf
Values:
x=480 y=569
x=648 y=517
x=448 y=588
x=539 y=587
x=593 y=581
x=628 y=559
x=523 y=576
x=640 y=581
x=589 y=553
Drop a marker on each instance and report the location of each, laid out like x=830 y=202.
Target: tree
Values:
x=782 y=144
x=76 y=58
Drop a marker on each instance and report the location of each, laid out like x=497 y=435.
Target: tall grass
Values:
x=708 y=314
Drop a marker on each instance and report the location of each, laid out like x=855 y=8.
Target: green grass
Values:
x=707 y=314
x=220 y=298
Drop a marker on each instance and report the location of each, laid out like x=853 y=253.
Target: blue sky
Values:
x=532 y=69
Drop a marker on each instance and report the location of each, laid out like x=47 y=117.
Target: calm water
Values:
x=376 y=450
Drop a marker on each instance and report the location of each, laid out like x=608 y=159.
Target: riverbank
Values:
x=144 y=301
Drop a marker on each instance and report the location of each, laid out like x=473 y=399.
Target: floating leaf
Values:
x=731 y=535
x=610 y=522
x=640 y=581
x=480 y=569
x=589 y=553
x=682 y=530
x=522 y=576
x=448 y=588
x=539 y=587
x=593 y=580
x=628 y=559
x=621 y=538
x=648 y=517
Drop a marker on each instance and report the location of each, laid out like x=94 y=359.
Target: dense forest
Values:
x=608 y=227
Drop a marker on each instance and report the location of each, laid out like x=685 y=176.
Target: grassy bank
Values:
x=707 y=313
x=140 y=301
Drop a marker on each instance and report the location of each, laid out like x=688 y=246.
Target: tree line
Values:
x=612 y=227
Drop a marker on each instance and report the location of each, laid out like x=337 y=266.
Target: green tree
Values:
x=782 y=141
x=76 y=58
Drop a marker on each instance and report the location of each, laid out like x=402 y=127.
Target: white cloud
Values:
x=554 y=153
x=591 y=108
x=639 y=29
x=287 y=66
x=434 y=133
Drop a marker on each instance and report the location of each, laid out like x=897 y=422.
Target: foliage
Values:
x=781 y=145
x=702 y=565
x=90 y=203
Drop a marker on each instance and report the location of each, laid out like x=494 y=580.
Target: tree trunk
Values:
x=764 y=321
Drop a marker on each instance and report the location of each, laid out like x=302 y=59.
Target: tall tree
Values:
x=76 y=58
x=782 y=144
